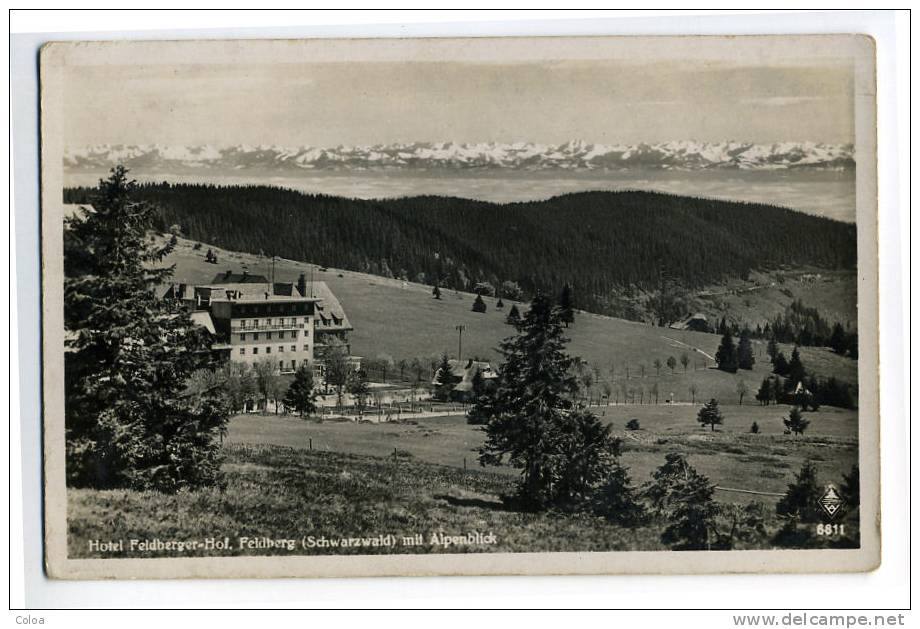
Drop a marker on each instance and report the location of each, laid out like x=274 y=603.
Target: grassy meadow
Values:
x=363 y=479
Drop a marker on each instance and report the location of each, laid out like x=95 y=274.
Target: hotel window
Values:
x=268 y=350
x=268 y=335
x=293 y=364
x=280 y=365
x=242 y=337
x=255 y=350
x=293 y=334
x=280 y=335
x=306 y=348
x=242 y=350
x=293 y=348
x=281 y=348
x=255 y=336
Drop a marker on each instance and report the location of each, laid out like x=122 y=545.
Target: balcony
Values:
x=238 y=329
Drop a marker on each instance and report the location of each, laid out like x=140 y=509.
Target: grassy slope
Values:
x=401 y=319
x=284 y=493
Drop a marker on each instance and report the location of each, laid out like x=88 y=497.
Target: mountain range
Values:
x=574 y=155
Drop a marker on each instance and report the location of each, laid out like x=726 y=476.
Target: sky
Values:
x=627 y=98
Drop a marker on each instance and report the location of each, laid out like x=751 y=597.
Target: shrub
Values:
x=801 y=501
x=710 y=415
x=632 y=424
x=755 y=428
x=617 y=500
x=684 y=498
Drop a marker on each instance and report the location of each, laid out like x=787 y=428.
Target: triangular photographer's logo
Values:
x=831 y=501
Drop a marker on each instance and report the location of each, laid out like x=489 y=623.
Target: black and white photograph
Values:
x=460 y=306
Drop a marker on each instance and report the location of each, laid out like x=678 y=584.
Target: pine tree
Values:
x=796 y=422
x=765 y=392
x=780 y=365
x=710 y=415
x=684 y=497
x=499 y=304
x=745 y=351
x=478 y=304
x=532 y=423
x=566 y=305
x=514 y=316
x=727 y=354
x=796 y=372
x=436 y=292
x=300 y=395
x=444 y=379
x=130 y=356
x=801 y=501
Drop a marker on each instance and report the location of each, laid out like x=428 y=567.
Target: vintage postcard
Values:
x=546 y=305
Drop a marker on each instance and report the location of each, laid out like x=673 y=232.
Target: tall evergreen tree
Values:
x=478 y=304
x=727 y=354
x=745 y=351
x=780 y=365
x=566 y=305
x=130 y=355
x=444 y=379
x=532 y=422
x=796 y=369
x=514 y=316
x=765 y=392
x=436 y=292
x=300 y=395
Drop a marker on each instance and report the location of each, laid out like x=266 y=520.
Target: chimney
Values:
x=302 y=285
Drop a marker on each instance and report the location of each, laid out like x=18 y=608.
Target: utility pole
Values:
x=460 y=329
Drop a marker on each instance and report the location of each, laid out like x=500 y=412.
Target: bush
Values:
x=632 y=424
x=755 y=428
x=617 y=499
x=684 y=498
x=801 y=501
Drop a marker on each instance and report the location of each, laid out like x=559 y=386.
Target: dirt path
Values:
x=690 y=347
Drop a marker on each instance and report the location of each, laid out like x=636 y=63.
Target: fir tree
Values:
x=514 y=316
x=300 y=395
x=801 y=501
x=532 y=423
x=478 y=304
x=796 y=422
x=765 y=392
x=727 y=354
x=499 y=304
x=683 y=497
x=796 y=372
x=710 y=415
x=566 y=305
x=130 y=356
x=444 y=379
x=745 y=351
x=436 y=292
x=780 y=365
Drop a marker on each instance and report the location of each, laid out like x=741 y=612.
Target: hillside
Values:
x=607 y=245
x=402 y=320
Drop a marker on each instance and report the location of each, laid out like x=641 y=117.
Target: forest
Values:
x=600 y=243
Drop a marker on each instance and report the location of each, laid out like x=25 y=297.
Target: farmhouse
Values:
x=696 y=322
x=463 y=372
x=252 y=319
